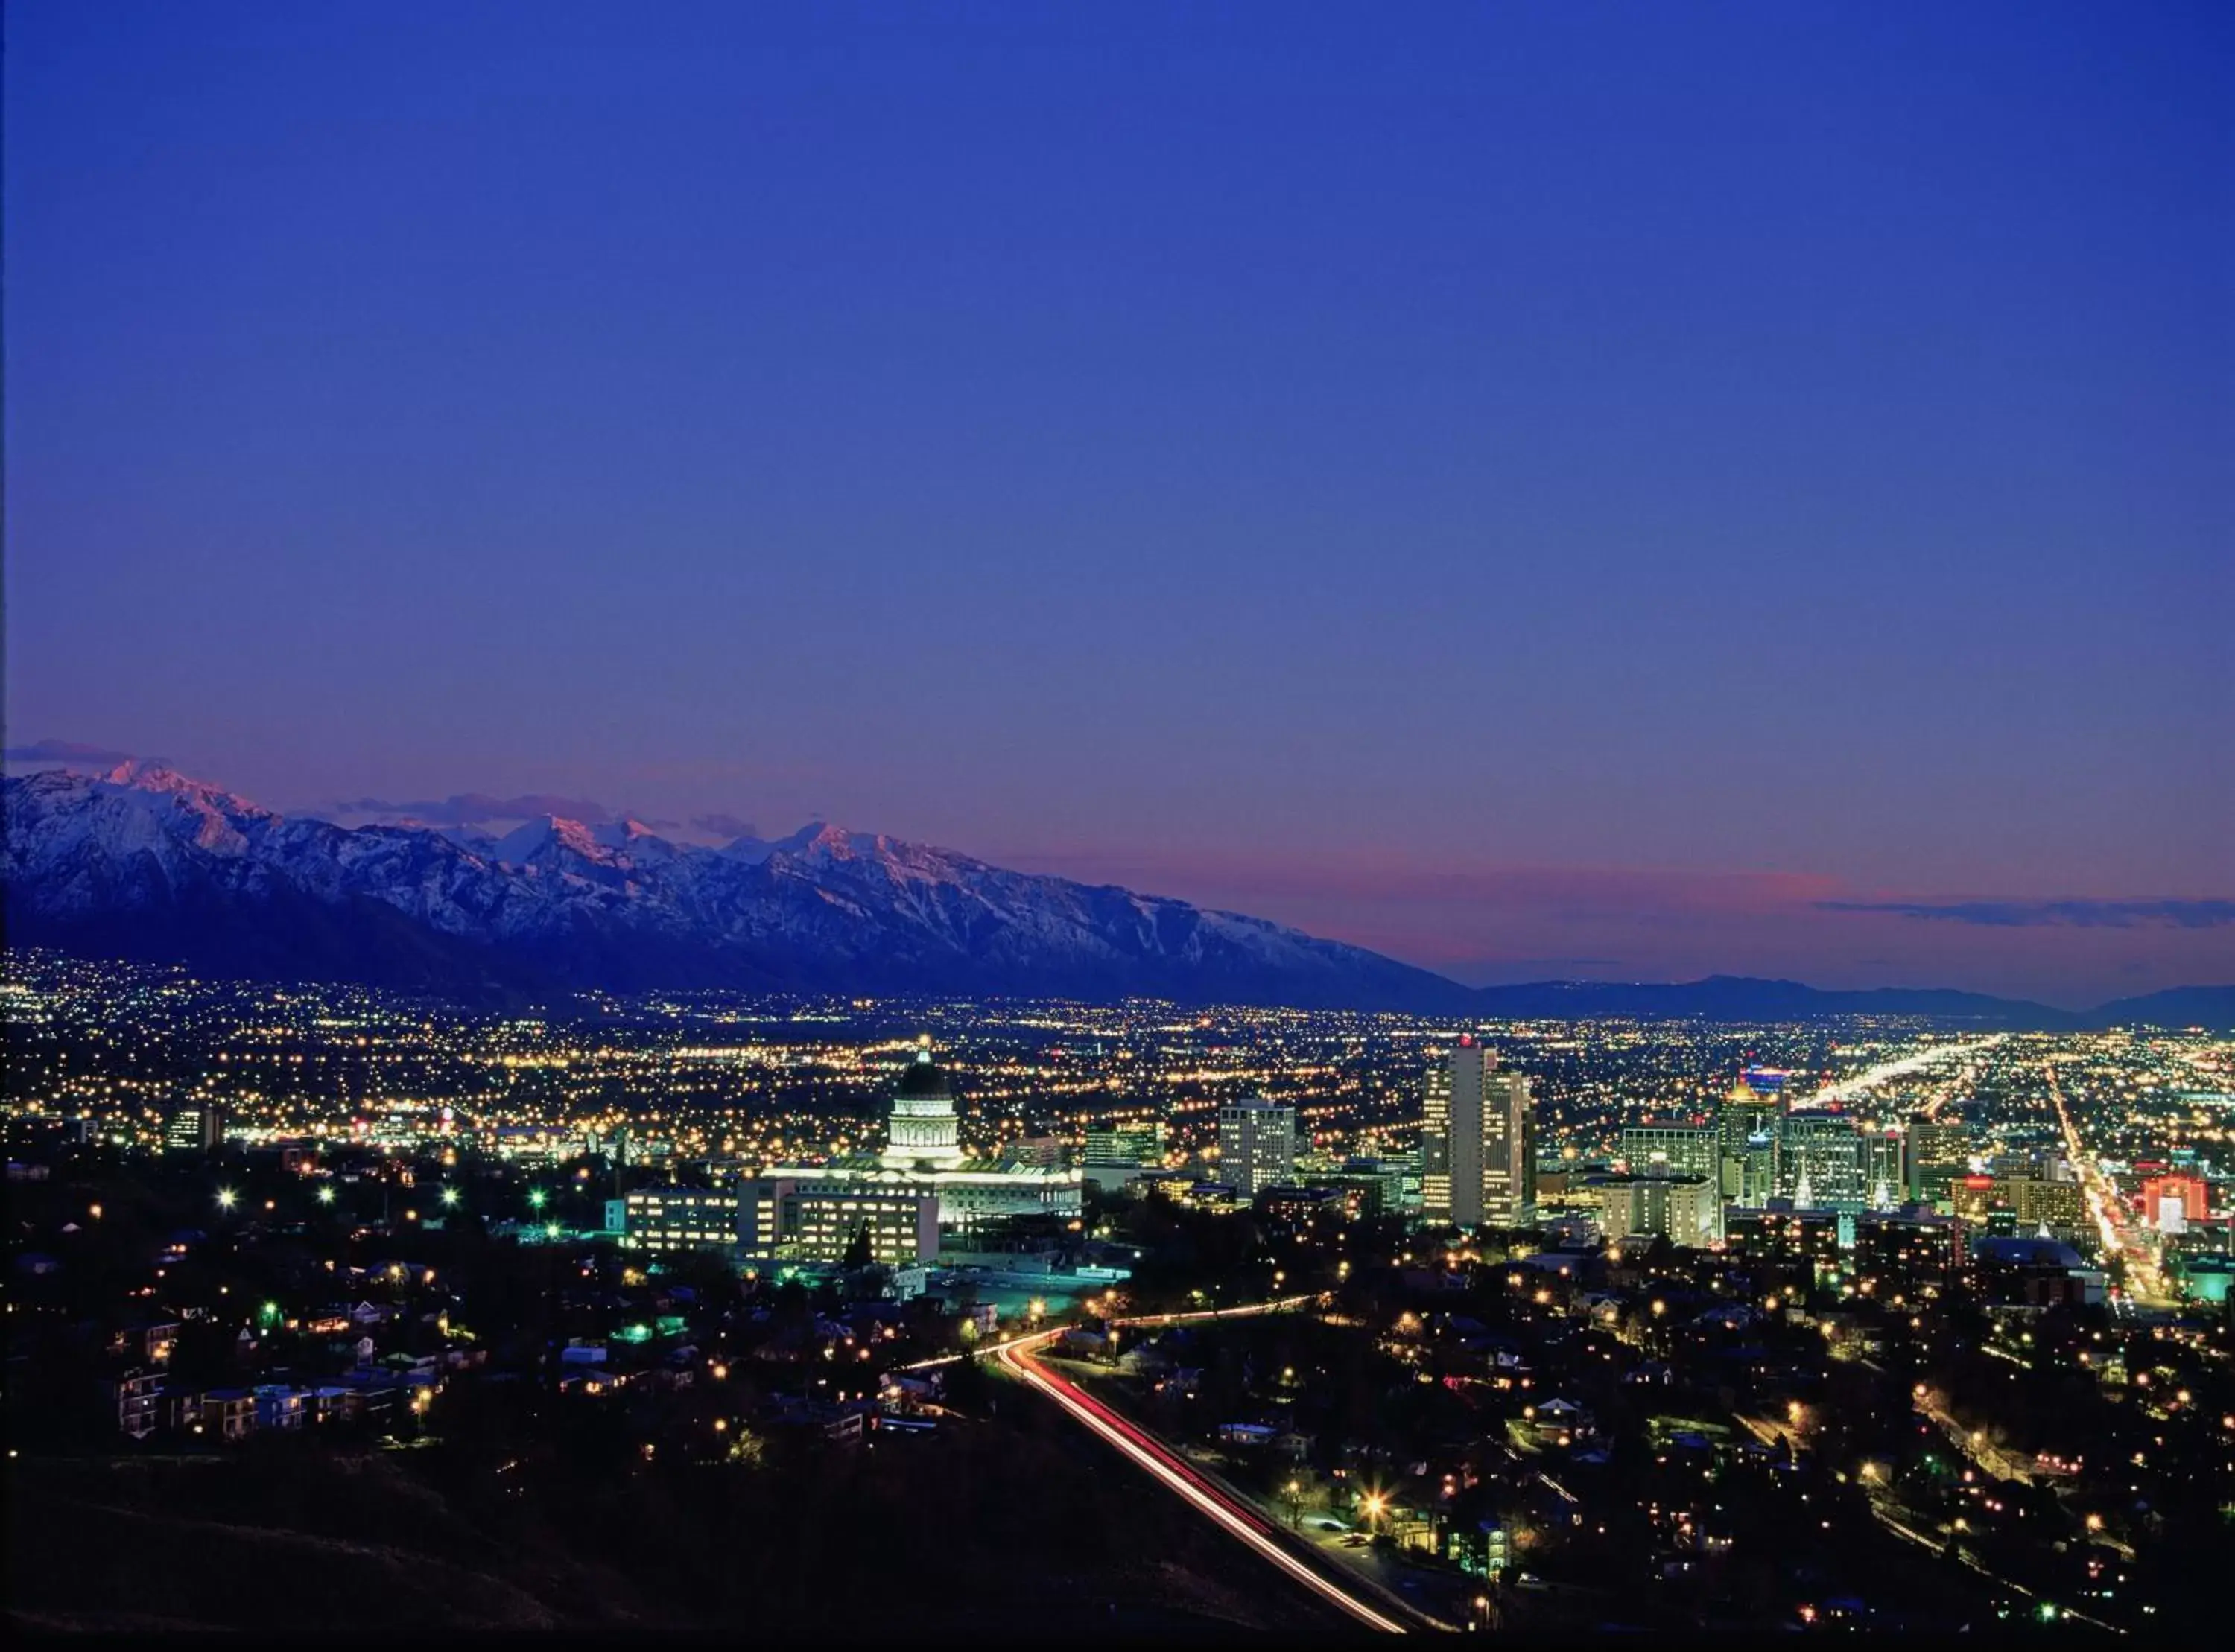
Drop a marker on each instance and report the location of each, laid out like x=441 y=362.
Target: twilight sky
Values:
x=1539 y=489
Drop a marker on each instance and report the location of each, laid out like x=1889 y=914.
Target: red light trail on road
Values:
x=1146 y=1452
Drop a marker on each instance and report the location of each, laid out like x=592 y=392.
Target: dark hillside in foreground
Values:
x=909 y=1542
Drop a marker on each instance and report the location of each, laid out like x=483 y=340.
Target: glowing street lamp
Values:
x=536 y=1197
x=451 y=1196
x=326 y=1196
x=227 y=1199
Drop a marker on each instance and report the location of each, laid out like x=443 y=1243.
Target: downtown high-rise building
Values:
x=1256 y=1146
x=1135 y=1142
x=193 y=1128
x=1939 y=1156
x=1751 y=1176
x=1820 y=1162
x=1884 y=1152
x=1122 y=1151
x=1750 y=1111
x=1477 y=1143
x=1673 y=1150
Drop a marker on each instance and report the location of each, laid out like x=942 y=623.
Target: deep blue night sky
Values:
x=1539 y=489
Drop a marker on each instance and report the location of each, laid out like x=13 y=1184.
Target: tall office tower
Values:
x=1509 y=1153
x=1436 y=1145
x=1757 y=1172
x=1477 y=1143
x=1751 y=1109
x=193 y=1128
x=1256 y=1146
x=1884 y=1152
x=1939 y=1154
x=1820 y=1161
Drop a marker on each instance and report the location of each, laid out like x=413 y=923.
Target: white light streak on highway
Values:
x=1147 y=1454
x=1871 y=1078
x=2145 y=1284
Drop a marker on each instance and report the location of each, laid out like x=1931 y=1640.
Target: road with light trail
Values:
x=1871 y=1078
x=2145 y=1284
x=1230 y=1514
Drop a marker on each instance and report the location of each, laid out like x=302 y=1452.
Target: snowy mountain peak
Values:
x=139 y=774
x=538 y=841
x=753 y=851
x=820 y=837
x=520 y=845
x=149 y=862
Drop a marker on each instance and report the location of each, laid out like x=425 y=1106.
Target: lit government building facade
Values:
x=923 y=1187
x=921 y=1133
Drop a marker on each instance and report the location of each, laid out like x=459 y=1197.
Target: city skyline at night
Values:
x=970 y=821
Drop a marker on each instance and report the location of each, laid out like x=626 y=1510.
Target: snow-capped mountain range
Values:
x=145 y=863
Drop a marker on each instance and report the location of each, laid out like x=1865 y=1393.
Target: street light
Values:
x=535 y=1198
x=450 y=1196
x=326 y=1196
x=227 y=1199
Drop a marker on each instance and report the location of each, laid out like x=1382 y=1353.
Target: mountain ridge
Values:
x=145 y=863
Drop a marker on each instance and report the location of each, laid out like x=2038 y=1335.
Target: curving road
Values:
x=1237 y=1518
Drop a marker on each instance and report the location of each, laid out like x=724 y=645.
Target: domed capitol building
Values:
x=922 y=1188
x=922 y=1132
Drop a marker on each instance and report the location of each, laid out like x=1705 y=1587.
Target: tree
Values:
x=860 y=1253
